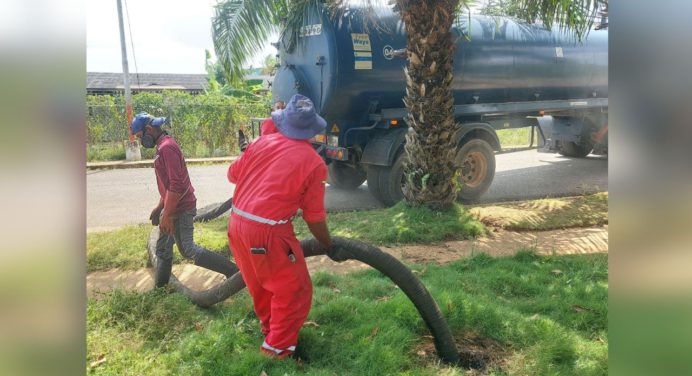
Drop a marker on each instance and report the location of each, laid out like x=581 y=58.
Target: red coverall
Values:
x=268 y=127
x=274 y=177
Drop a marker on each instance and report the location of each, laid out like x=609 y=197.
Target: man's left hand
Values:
x=166 y=224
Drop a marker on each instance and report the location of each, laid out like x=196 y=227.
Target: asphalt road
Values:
x=121 y=197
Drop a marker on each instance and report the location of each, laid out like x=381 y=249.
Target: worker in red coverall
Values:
x=266 y=128
x=278 y=174
x=177 y=206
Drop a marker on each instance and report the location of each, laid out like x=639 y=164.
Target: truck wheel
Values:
x=343 y=176
x=374 y=181
x=386 y=182
x=572 y=149
x=476 y=162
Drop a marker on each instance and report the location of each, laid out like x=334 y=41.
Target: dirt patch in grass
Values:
x=573 y=241
x=478 y=355
x=500 y=243
x=142 y=280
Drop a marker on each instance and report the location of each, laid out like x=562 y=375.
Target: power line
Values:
x=132 y=44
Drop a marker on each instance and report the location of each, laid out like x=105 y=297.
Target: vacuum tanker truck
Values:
x=507 y=74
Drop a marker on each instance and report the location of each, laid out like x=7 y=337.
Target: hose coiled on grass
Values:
x=342 y=249
x=349 y=249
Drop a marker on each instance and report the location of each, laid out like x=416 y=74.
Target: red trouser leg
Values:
x=240 y=248
x=274 y=275
x=292 y=291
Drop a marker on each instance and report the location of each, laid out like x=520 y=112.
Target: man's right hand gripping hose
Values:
x=320 y=231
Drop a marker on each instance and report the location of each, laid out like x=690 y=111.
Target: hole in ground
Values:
x=479 y=356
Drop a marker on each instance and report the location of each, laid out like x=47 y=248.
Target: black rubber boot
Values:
x=163 y=272
x=216 y=262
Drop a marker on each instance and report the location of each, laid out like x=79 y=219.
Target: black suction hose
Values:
x=342 y=250
x=349 y=249
x=213 y=211
x=202 y=298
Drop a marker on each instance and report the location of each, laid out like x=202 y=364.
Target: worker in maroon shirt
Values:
x=278 y=174
x=178 y=204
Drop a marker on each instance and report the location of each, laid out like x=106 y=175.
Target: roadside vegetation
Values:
x=523 y=315
x=204 y=125
x=106 y=144
x=126 y=247
x=515 y=137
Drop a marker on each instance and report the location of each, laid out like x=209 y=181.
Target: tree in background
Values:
x=239 y=87
x=215 y=74
x=269 y=64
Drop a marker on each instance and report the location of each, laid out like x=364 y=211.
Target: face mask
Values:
x=148 y=141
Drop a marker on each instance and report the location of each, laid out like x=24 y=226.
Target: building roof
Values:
x=103 y=81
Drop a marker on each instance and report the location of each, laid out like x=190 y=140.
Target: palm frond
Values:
x=576 y=16
x=240 y=28
x=371 y=12
x=297 y=12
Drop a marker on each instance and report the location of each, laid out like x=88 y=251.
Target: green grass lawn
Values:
x=126 y=247
x=401 y=224
x=545 y=315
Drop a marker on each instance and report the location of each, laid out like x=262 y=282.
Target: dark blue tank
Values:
x=350 y=71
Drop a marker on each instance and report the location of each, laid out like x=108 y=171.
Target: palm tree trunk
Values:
x=429 y=173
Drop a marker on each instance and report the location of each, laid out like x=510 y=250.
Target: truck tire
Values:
x=343 y=176
x=572 y=149
x=476 y=161
x=373 y=175
x=386 y=182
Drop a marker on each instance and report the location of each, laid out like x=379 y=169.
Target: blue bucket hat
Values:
x=299 y=119
x=143 y=119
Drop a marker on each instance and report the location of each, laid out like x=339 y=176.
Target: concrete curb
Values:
x=150 y=163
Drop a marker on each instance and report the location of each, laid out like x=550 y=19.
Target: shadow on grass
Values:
x=402 y=224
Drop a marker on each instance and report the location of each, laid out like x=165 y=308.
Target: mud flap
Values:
x=555 y=130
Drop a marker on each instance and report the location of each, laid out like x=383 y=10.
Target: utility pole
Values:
x=132 y=150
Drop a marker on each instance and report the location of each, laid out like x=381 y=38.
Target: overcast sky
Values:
x=169 y=36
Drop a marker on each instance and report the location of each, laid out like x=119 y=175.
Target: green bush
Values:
x=204 y=125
